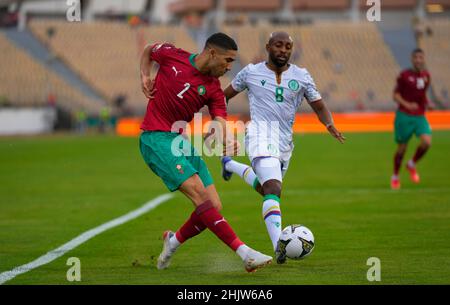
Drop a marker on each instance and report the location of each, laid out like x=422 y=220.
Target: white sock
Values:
x=394 y=177
x=272 y=218
x=243 y=170
x=174 y=243
x=411 y=164
x=242 y=251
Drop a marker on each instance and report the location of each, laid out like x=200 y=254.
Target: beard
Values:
x=277 y=62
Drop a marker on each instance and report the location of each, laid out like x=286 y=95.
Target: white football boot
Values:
x=255 y=260
x=166 y=254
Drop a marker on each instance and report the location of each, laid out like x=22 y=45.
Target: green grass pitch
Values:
x=54 y=188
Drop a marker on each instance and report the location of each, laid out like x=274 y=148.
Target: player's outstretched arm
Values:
x=326 y=119
x=230 y=92
x=429 y=102
x=147 y=83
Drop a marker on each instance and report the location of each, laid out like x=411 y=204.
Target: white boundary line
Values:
x=54 y=254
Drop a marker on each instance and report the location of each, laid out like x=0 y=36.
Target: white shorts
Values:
x=269 y=168
x=267 y=161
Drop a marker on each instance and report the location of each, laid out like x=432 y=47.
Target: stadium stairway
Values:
x=26 y=41
x=401 y=41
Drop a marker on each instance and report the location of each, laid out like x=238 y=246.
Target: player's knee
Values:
x=272 y=187
x=196 y=192
x=426 y=142
x=218 y=206
x=401 y=150
x=200 y=195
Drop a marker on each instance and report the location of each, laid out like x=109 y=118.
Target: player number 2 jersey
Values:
x=181 y=90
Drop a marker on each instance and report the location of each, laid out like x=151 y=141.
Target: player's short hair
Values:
x=221 y=40
x=417 y=50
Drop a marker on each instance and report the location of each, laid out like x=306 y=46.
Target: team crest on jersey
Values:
x=293 y=85
x=156 y=47
x=201 y=90
x=263 y=82
x=180 y=169
x=272 y=149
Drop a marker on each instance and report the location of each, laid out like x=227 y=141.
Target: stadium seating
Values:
x=392 y=4
x=252 y=5
x=436 y=45
x=28 y=83
x=444 y=3
x=305 y=5
x=351 y=64
x=183 y=6
x=106 y=54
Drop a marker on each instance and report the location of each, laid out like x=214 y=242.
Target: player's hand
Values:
x=335 y=133
x=209 y=139
x=148 y=86
x=411 y=106
x=231 y=148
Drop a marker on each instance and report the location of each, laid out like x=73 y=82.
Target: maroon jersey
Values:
x=181 y=90
x=412 y=86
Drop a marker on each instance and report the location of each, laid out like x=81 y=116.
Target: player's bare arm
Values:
x=400 y=100
x=230 y=92
x=325 y=117
x=430 y=104
x=147 y=83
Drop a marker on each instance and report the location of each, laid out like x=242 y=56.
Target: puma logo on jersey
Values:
x=219 y=221
x=156 y=47
x=175 y=69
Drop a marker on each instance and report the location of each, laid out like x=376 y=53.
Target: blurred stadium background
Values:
x=77 y=83
x=61 y=75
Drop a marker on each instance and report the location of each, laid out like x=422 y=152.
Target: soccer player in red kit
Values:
x=184 y=83
x=411 y=96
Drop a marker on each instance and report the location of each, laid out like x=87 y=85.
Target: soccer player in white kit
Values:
x=275 y=91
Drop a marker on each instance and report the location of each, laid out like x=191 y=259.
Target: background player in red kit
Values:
x=411 y=96
x=184 y=84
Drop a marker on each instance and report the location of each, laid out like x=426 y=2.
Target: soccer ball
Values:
x=297 y=240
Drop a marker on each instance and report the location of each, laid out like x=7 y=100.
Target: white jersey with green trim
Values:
x=273 y=103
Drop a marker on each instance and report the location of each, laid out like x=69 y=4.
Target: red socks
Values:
x=193 y=226
x=419 y=153
x=205 y=215
x=397 y=162
x=218 y=225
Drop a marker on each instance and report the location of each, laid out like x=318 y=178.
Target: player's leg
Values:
x=200 y=190
x=230 y=166
x=398 y=158
x=194 y=225
x=424 y=146
x=211 y=217
x=423 y=131
x=269 y=173
x=403 y=130
x=173 y=168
